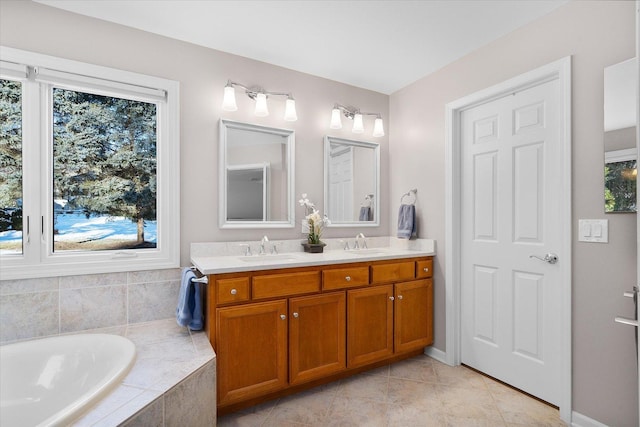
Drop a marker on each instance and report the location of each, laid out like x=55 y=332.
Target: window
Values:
x=90 y=168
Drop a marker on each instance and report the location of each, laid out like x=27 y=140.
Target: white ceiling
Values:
x=377 y=45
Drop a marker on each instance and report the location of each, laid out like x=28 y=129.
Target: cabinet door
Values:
x=317 y=336
x=413 y=315
x=251 y=355
x=369 y=325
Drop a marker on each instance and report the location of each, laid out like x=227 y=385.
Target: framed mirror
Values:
x=256 y=173
x=620 y=153
x=351 y=182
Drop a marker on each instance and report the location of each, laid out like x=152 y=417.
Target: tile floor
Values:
x=416 y=392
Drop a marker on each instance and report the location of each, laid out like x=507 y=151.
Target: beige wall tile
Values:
x=152 y=301
x=22 y=286
x=90 y=308
x=193 y=401
x=24 y=316
x=93 y=280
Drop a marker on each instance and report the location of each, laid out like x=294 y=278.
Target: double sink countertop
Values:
x=210 y=258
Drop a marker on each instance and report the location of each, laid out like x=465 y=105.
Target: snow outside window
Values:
x=89 y=162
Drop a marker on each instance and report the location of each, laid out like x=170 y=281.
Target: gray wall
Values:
x=597 y=34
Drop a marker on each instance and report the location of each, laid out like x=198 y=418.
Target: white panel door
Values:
x=511 y=164
x=341 y=185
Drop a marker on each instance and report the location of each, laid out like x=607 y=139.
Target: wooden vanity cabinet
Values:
x=251 y=351
x=413 y=315
x=370 y=325
x=275 y=332
x=316 y=336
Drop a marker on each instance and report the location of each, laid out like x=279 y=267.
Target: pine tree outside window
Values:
x=90 y=168
x=104 y=172
x=10 y=166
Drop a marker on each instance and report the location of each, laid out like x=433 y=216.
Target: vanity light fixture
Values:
x=260 y=96
x=357 y=116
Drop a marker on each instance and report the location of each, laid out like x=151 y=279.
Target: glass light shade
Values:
x=290 y=111
x=229 y=100
x=336 y=123
x=358 y=125
x=261 y=105
x=378 y=128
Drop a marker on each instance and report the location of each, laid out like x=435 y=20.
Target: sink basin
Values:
x=268 y=258
x=369 y=252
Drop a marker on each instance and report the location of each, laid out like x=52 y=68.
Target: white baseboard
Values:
x=579 y=420
x=434 y=353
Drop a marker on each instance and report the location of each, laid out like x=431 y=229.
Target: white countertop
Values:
x=231 y=264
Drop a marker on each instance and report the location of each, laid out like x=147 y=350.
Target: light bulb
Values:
x=229 y=100
x=290 y=110
x=261 y=105
x=378 y=128
x=336 y=123
x=358 y=126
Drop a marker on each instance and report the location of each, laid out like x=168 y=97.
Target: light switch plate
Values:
x=593 y=230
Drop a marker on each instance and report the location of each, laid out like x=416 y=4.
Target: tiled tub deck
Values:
x=171 y=383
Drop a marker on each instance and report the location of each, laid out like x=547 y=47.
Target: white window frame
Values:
x=44 y=72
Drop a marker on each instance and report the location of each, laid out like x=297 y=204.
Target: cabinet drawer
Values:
x=345 y=278
x=424 y=269
x=232 y=290
x=280 y=285
x=393 y=272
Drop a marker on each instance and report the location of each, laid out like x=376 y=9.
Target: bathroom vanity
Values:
x=286 y=323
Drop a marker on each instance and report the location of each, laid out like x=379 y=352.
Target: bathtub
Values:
x=53 y=380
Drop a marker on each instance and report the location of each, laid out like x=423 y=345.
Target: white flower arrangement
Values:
x=315 y=220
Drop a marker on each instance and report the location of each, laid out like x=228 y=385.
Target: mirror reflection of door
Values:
x=341 y=183
x=243 y=202
x=351 y=182
x=248 y=192
x=620 y=169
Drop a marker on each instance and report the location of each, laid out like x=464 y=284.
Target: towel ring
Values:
x=413 y=192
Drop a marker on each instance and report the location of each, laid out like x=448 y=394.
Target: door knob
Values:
x=551 y=258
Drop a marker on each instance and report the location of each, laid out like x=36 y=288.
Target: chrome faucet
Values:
x=264 y=240
x=357 y=245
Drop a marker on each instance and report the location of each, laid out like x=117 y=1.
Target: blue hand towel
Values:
x=407 y=222
x=366 y=214
x=189 y=309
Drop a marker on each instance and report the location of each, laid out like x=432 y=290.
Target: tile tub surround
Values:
x=171 y=383
x=35 y=308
